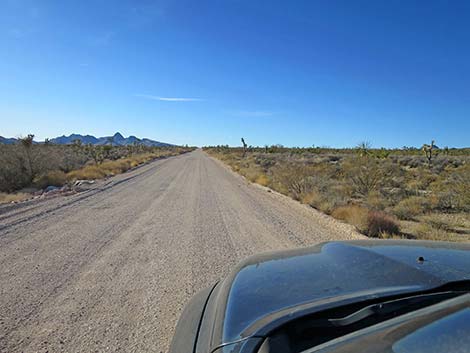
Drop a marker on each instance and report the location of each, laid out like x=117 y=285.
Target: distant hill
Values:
x=116 y=140
x=7 y=141
x=66 y=140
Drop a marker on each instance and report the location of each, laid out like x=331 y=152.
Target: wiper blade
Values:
x=397 y=305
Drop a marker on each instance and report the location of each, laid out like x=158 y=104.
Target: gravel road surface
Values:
x=110 y=269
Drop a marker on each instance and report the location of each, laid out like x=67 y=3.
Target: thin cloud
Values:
x=253 y=113
x=168 y=99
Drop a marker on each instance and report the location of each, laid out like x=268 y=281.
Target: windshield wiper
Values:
x=395 y=306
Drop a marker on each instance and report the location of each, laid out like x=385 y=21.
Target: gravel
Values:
x=110 y=268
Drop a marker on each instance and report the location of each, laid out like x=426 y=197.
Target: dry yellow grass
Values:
x=87 y=173
x=439 y=226
x=316 y=200
x=412 y=206
x=385 y=235
x=262 y=179
x=312 y=198
x=7 y=198
x=426 y=231
x=109 y=168
x=54 y=178
x=352 y=214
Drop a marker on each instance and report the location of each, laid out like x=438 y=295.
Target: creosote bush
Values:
x=379 y=222
x=412 y=206
x=52 y=178
x=369 y=222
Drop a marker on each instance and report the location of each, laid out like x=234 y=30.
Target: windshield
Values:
x=438 y=328
x=448 y=333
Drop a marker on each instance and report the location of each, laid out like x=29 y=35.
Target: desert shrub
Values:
x=265 y=161
x=334 y=194
x=376 y=200
x=420 y=179
x=297 y=179
x=134 y=163
x=52 y=178
x=34 y=159
x=11 y=175
x=21 y=163
x=437 y=223
x=312 y=198
x=333 y=158
x=440 y=163
x=316 y=200
x=455 y=162
x=402 y=160
x=435 y=229
x=70 y=158
x=385 y=235
x=428 y=232
x=294 y=178
x=417 y=161
x=411 y=207
x=379 y=222
x=364 y=175
x=250 y=174
x=235 y=168
x=326 y=206
x=453 y=189
x=352 y=214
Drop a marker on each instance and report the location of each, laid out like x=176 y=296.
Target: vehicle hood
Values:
x=267 y=289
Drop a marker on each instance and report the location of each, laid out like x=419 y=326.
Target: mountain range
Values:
x=7 y=141
x=116 y=140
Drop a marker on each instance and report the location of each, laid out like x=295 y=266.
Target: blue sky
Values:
x=298 y=73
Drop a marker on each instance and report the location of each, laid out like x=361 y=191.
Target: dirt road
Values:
x=111 y=268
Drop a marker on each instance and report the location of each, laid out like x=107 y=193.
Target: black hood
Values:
x=268 y=289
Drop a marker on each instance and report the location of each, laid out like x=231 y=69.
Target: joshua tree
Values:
x=429 y=151
x=29 y=165
x=363 y=148
x=95 y=153
x=106 y=150
x=244 y=147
